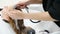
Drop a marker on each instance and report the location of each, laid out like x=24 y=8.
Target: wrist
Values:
x=35 y=1
x=25 y=15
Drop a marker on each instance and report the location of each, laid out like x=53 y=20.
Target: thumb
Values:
x=9 y=8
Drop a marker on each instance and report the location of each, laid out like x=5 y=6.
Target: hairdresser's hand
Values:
x=13 y=13
x=23 y=3
x=4 y=15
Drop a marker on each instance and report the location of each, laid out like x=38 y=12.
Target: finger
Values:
x=15 y=11
x=4 y=8
x=4 y=15
x=12 y=15
x=9 y=8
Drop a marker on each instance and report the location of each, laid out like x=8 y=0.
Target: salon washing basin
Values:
x=38 y=27
x=42 y=25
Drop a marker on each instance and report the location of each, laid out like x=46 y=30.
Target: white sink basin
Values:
x=43 y=25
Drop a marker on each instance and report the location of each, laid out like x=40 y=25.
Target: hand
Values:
x=23 y=3
x=5 y=15
x=10 y=12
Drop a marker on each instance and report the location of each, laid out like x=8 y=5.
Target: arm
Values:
x=39 y=16
x=36 y=16
x=16 y=14
x=35 y=1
